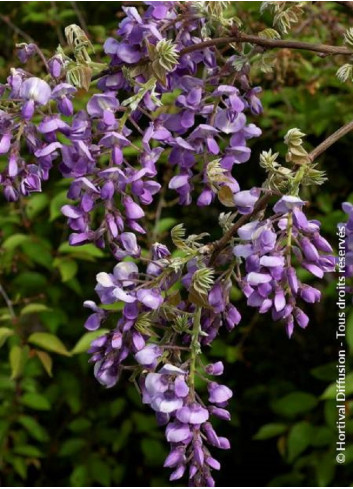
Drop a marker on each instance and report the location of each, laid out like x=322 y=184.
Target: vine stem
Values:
x=321 y=49
x=289 y=238
x=26 y=37
x=342 y=131
x=80 y=16
x=218 y=246
x=195 y=347
x=16 y=29
x=269 y=43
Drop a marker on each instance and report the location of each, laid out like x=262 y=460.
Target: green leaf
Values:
x=34 y=308
x=145 y=423
x=4 y=429
x=349 y=454
x=292 y=479
x=54 y=318
x=20 y=466
x=35 y=401
x=330 y=411
x=46 y=361
x=165 y=224
x=17 y=358
x=49 y=342
x=294 y=404
x=85 y=341
x=39 y=253
x=270 y=430
x=326 y=372
x=79 y=476
x=75 y=285
x=125 y=430
x=56 y=204
x=118 y=474
x=4 y=334
x=15 y=240
x=233 y=353
x=321 y=436
x=30 y=283
x=87 y=249
x=153 y=451
x=100 y=472
x=330 y=391
x=71 y=447
x=80 y=424
x=298 y=439
x=32 y=426
x=28 y=451
x=36 y=204
x=117 y=407
x=325 y=469
x=67 y=267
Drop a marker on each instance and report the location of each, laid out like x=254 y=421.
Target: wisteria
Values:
x=166 y=108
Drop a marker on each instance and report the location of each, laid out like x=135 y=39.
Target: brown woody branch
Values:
x=323 y=49
x=270 y=44
x=222 y=243
x=342 y=131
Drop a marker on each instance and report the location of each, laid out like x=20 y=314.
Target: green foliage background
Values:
x=57 y=425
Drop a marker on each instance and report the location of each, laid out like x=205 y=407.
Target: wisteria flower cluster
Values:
x=209 y=116
x=270 y=282
x=166 y=116
x=167 y=363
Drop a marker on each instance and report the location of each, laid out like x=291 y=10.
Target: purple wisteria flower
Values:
x=34 y=91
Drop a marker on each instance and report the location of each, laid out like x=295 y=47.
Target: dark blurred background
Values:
x=64 y=429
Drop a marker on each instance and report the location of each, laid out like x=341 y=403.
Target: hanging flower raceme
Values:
x=269 y=250
x=170 y=394
x=157 y=338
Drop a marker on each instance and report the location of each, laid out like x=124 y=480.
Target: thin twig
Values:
x=80 y=16
x=342 y=131
x=222 y=243
x=26 y=37
x=16 y=29
x=7 y=301
x=57 y=24
x=158 y=216
x=269 y=43
x=323 y=49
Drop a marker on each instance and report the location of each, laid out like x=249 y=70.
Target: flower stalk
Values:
x=195 y=350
